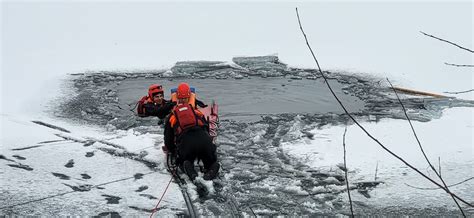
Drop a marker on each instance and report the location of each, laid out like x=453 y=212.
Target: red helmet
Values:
x=183 y=91
x=153 y=89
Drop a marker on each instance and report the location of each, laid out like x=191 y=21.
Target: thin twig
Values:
x=251 y=210
x=360 y=126
x=422 y=150
x=345 y=167
x=376 y=169
x=459 y=65
x=455 y=184
x=443 y=40
x=470 y=90
x=439 y=166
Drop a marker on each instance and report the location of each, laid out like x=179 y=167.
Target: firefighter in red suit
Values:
x=186 y=136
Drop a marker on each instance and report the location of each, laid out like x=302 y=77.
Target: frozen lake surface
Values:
x=280 y=145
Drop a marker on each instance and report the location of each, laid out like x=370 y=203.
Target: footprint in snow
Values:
x=61 y=176
x=138 y=176
x=148 y=196
x=70 y=164
x=85 y=176
x=19 y=157
x=112 y=199
x=5 y=158
x=109 y=214
x=89 y=143
x=21 y=166
x=142 y=188
x=80 y=188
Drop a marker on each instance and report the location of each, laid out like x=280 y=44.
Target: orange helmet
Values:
x=153 y=89
x=183 y=91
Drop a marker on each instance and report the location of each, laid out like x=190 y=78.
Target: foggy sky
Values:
x=41 y=41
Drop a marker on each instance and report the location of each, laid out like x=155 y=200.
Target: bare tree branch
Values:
x=443 y=40
x=459 y=65
x=455 y=184
x=251 y=210
x=345 y=167
x=439 y=166
x=415 y=92
x=360 y=126
x=423 y=151
x=470 y=90
x=376 y=169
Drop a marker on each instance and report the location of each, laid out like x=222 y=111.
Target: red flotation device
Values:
x=211 y=113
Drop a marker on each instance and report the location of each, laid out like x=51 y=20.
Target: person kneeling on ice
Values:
x=186 y=136
x=154 y=104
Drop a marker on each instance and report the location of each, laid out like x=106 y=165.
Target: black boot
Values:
x=212 y=172
x=188 y=167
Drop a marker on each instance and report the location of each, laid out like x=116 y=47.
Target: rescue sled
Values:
x=212 y=117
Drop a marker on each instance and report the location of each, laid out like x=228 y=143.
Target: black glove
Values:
x=201 y=104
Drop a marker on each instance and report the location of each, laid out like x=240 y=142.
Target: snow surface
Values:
x=449 y=138
x=20 y=185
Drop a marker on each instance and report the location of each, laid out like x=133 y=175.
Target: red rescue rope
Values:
x=166 y=189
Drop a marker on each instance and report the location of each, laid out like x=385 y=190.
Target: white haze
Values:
x=42 y=42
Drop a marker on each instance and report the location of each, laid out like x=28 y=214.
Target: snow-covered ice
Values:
x=448 y=138
x=132 y=184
